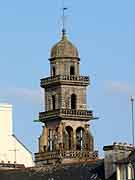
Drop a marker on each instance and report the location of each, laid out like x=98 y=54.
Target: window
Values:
x=72 y=71
x=53 y=71
x=53 y=102
x=73 y=101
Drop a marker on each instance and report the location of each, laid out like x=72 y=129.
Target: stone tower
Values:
x=66 y=136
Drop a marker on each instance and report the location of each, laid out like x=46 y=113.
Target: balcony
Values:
x=65 y=79
x=78 y=155
x=66 y=114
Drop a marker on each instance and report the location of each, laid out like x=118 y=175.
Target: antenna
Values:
x=132 y=111
x=63 y=18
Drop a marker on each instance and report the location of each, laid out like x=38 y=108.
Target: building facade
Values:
x=125 y=168
x=116 y=161
x=66 y=135
x=12 y=151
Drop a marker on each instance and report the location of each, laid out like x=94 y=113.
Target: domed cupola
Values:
x=64 y=49
x=64 y=58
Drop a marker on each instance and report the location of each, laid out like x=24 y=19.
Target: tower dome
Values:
x=64 y=49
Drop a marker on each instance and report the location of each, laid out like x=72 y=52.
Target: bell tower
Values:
x=66 y=136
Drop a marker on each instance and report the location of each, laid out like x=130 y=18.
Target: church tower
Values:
x=66 y=136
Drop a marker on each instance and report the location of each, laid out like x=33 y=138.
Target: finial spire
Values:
x=132 y=106
x=63 y=20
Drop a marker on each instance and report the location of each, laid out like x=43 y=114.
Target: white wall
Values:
x=11 y=148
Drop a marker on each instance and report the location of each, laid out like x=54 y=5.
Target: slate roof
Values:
x=84 y=171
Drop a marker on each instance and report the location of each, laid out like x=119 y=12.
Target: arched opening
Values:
x=53 y=71
x=80 y=139
x=44 y=148
x=69 y=138
x=50 y=140
x=53 y=102
x=73 y=101
x=72 y=71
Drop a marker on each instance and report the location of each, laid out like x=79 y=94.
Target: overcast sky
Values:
x=104 y=33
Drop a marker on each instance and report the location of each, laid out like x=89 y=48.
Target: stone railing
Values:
x=75 y=112
x=47 y=155
x=80 y=154
x=65 y=113
x=67 y=78
x=67 y=155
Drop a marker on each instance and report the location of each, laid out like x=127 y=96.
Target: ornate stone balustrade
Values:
x=80 y=154
x=66 y=113
x=67 y=155
x=83 y=80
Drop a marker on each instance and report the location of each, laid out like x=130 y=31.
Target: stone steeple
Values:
x=66 y=136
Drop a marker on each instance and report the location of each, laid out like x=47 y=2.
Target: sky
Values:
x=104 y=33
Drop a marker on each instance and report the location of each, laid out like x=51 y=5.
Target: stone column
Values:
x=61 y=136
x=130 y=172
x=118 y=172
x=74 y=140
x=87 y=137
x=43 y=140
